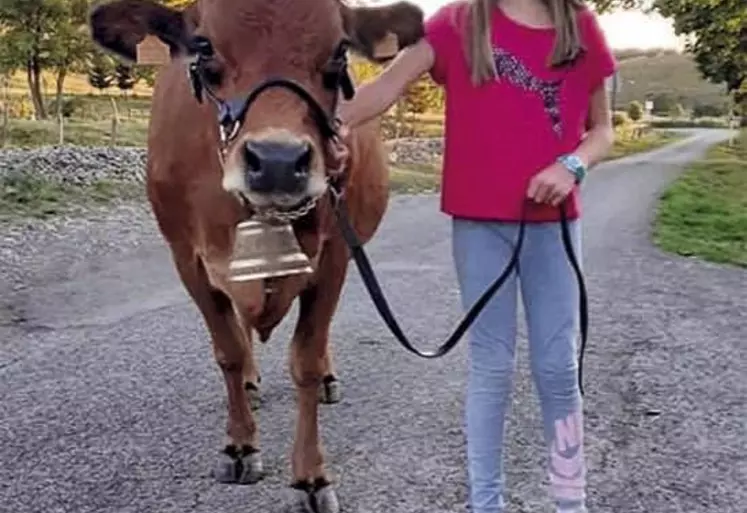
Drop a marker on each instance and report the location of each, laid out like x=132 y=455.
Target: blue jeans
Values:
x=550 y=296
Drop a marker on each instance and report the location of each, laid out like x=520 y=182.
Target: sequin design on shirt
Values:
x=510 y=67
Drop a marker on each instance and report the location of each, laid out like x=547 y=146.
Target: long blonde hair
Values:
x=478 y=45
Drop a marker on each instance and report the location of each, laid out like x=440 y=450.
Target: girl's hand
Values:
x=551 y=185
x=337 y=150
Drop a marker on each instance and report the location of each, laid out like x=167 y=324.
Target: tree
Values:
x=677 y=111
x=124 y=77
x=421 y=96
x=701 y=110
x=42 y=34
x=603 y=6
x=635 y=111
x=664 y=103
x=717 y=33
x=73 y=43
x=100 y=70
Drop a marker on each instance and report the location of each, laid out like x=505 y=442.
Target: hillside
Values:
x=645 y=76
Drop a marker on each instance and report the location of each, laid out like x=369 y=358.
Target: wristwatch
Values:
x=575 y=165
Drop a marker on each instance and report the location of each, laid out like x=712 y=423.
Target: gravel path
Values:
x=111 y=401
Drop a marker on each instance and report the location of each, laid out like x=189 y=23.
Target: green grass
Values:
x=651 y=140
x=27 y=134
x=415 y=178
x=704 y=212
x=25 y=196
x=690 y=123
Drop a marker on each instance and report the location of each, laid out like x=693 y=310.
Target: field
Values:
x=665 y=73
x=704 y=213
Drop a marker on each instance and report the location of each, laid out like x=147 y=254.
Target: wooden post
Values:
x=61 y=125
x=115 y=122
x=4 y=131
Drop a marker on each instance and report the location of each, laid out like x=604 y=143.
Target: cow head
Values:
x=275 y=136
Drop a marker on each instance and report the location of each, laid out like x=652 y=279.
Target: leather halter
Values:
x=233 y=112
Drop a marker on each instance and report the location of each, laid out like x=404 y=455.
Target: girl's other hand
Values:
x=551 y=185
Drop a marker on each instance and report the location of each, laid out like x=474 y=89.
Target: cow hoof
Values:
x=319 y=497
x=329 y=390
x=253 y=395
x=239 y=466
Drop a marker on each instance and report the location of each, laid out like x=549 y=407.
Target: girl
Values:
x=526 y=115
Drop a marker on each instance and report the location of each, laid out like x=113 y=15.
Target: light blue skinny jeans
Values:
x=549 y=292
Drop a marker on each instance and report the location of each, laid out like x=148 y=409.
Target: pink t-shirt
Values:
x=501 y=134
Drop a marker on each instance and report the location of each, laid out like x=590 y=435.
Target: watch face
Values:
x=576 y=162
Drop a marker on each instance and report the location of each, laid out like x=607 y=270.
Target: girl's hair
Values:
x=477 y=38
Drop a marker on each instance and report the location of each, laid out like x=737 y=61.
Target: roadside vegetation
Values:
x=704 y=213
x=23 y=195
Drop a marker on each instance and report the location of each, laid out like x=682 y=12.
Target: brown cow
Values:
x=275 y=157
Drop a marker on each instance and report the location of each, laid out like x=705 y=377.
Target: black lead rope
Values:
x=379 y=300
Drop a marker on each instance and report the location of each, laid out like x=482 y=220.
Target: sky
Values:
x=628 y=29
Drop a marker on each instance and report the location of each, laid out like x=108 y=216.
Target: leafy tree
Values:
x=145 y=73
x=100 y=70
x=701 y=110
x=718 y=36
x=677 y=111
x=42 y=34
x=421 y=96
x=73 y=43
x=635 y=111
x=664 y=103
x=124 y=77
x=603 y=6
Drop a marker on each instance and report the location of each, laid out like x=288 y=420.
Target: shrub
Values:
x=701 y=110
x=677 y=111
x=619 y=119
x=635 y=111
x=685 y=123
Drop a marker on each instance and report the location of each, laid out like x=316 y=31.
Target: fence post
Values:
x=61 y=124
x=115 y=122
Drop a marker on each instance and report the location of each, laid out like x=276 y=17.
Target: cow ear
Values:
x=379 y=33
x=120 y=25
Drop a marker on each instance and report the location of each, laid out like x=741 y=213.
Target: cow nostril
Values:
x=304 y=161
x=253 y=161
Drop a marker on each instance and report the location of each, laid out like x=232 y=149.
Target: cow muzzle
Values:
x=276 y=169
x=277 y=166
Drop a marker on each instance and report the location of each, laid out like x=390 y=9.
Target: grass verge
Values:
x=704 y=212
x=26 y=196
x=652 y=140
x=415 y=178
x=30 y=134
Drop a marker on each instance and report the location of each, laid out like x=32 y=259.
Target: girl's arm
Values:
x=375 y=97
x=600 y=135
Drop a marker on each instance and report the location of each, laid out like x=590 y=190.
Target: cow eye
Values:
x=212 y=72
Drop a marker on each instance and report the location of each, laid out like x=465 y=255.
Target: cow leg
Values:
x=329 y=390
x=239 y=461
x=252 y=378
x=309 y=363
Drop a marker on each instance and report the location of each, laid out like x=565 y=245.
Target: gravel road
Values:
x=111 y=401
